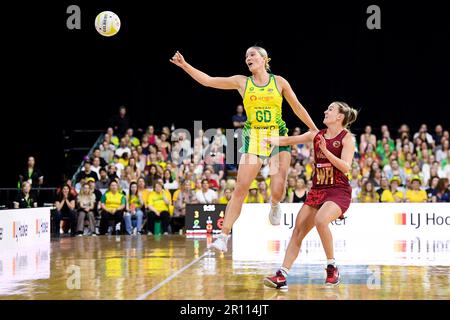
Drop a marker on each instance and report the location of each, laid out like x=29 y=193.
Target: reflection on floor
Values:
x=123 y=267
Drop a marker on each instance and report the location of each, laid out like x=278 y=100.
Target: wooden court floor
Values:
x=173 y=267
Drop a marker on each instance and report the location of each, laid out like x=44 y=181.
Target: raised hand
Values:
x=178 y=59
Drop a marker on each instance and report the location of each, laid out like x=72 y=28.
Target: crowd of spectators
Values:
x=133 y=181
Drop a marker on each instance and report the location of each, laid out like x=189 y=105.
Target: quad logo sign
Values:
x=20 y=230
x=420 y=220
x=42 y=227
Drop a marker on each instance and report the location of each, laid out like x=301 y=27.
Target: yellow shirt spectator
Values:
x=124 y=162
x=156 y=200
x=389 y=196
x=223 y=200
x=416 y=196
x=368 y=198
x=258 y=198
x=113 y=201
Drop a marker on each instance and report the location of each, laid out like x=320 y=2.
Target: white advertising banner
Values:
x=24 y=227
x=397 y=233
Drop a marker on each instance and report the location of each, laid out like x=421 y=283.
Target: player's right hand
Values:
x=178 y=59
x=269 y=142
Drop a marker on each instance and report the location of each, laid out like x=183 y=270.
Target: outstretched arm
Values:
x=296 y=106
x=291 y=140
x=233 y=82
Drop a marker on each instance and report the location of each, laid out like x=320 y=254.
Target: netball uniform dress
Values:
x=329 y=183
x=263 y=108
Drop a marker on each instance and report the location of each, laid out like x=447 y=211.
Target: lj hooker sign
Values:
x=23 y=227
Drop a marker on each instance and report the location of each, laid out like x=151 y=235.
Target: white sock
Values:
x=284 y=271
x=224 y=236
x=332 y=262
x=275 y=205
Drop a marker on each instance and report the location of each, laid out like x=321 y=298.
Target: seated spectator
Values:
x=98 y=195
x=157 y=207
x=213 y=183
x=106 y=151
x=432 y=187
x=134 y=214
x=181 y=198
x=415 y=194
x=103 y=182
x=185 y=195
x=124 y=159
x=393 y=194
x=355 y=177
x=98 y=154
x=395 y=170
x=134 y=172
x=170 y=183
x=119 y=166
x=96 y=166
x=444 y=169
x=85 y=207
x=227 y=193
x=123 y=148
x=142 y=189
x=299 y=193
x=65 y=207
x=141 y=158
x=367 y=138
x=368 y=193
x=423 y=132
x=264 y=191
x=384 y=185
x=438 y=133
x=151 y=175
x=31 y=174
x=442 y=151
x=87 y=172
x=253 y=195
x=442 y=193
x=113 y=203
x=165 y=147
x=151 y=136
x=133 y=141
x=291 y=185
x=205 y=195
x=112 y=139
x=239 y=118
x=112 y=173
x=25 y=199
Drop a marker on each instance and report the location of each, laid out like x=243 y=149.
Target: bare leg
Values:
x=329 y=211
x=279 y=166
x=249 y=167
x=303 y=225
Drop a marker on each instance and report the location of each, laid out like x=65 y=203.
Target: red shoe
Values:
x=278 y=281
x=333 y=277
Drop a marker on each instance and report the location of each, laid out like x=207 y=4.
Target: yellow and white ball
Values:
x=107 y=23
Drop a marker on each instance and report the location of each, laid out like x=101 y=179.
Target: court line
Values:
x=159 y=285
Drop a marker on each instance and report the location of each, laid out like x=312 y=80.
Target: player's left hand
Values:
x=322 y=143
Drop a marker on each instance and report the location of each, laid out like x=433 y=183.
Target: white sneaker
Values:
x=220 y=243
x=165 y=233
x=149 y=233
x=275 y=215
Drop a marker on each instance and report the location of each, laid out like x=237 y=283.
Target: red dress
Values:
x=329 y=183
